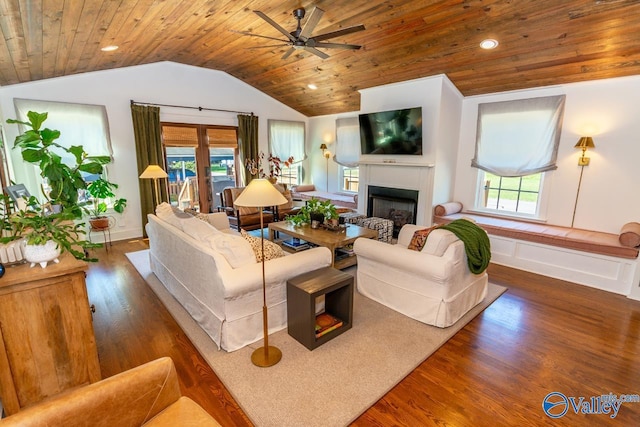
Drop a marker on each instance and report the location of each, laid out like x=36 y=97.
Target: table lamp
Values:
x=154 y=172
x=260 y=193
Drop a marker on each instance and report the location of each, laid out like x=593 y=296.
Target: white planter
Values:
x=42 y=254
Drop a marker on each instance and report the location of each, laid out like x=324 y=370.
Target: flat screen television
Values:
x=391 y=132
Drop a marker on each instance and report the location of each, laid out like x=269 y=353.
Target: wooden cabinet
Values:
x=47 y=343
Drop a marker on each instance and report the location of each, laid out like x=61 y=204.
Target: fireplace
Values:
x=396 y=204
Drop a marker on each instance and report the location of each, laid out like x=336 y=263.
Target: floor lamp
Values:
x=154 y=172
x=260 y=193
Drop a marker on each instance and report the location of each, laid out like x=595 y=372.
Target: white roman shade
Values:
x=518 y=138
x=287 y=139
x=347 y=142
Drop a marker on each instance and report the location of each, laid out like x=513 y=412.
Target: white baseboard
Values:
x=618 y=275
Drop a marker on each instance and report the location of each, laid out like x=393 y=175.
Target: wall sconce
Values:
x=584 y=143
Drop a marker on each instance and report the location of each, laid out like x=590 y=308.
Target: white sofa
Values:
x=433 y=286
x=195 y=265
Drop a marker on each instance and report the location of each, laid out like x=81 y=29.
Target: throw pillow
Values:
x=419 y=239
x=235 y=193
x=271 y=250
x=630 y=235
x=289 y=204
x=236 y=250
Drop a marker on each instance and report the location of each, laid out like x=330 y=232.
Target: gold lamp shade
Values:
x=584 y=143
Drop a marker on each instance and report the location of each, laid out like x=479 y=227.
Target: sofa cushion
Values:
x=271 y=250
x=171 y=214
x=198 y=229
x=236 y=250
x=438 y=242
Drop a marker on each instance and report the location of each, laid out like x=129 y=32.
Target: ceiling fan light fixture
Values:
x=489 y=44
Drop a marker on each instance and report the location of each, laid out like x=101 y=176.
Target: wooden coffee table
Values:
x=323 y=237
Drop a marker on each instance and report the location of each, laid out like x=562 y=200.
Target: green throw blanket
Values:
x=476 y=243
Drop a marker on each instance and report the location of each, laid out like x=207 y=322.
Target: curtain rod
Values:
x=191 y=108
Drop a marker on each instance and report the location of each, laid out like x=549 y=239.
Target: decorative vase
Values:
x=42 y=254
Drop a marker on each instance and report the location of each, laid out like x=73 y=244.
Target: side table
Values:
x=302 y=292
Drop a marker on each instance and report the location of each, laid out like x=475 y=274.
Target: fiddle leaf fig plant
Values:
x=39 y=147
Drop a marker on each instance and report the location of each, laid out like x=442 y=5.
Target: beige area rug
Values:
x=331 y=385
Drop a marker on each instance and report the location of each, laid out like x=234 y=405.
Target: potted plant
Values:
x=100 y=190
x=47 y=235
x=50 y=225
x=314 y=209
x=38 y=146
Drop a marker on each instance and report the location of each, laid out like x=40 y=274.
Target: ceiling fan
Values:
x=302 y=39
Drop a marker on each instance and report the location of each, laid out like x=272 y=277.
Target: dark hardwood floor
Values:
x=542 y=336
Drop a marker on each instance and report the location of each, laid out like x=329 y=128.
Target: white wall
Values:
x=603 y=109
x=164 y=83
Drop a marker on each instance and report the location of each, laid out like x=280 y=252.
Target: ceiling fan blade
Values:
x=338 y=46
x=311 y=23
x=275 y=25
x=316 y=52
x=339 y=33
x=246 y=33
x=288 y=53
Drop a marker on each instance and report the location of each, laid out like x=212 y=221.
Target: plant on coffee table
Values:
x=325 y=208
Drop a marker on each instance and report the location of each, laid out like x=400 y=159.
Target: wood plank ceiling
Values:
x=542 y=42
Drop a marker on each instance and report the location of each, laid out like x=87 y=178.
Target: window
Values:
x=516 y=143
x=512 y=194
x=191 y=148
x=350 y=179
x=79 y=124
x=348 y=151
x=286 y=139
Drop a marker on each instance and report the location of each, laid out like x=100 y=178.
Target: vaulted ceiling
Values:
x=541 y=42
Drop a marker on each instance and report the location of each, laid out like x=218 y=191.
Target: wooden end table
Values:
x=323 y=237
x=302 y=291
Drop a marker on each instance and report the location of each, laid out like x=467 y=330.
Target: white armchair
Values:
x=433 y=286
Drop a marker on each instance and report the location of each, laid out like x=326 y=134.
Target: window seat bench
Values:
x=591 y=258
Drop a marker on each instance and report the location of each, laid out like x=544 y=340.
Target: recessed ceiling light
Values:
x=109 y=48
x=312 y=86
x=489 y=44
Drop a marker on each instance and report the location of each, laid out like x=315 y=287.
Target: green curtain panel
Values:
x=247 y=143
x=148 y=135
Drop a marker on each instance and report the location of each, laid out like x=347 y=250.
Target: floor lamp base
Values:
x=265 y=359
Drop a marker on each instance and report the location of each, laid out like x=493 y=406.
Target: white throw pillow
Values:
x=198 y=229
x=171 y=215
x=236 y=250
x=438 y=242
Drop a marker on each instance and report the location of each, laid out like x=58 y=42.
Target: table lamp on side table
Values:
x=260 y=193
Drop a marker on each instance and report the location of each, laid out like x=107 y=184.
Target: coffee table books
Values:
x=296 y=244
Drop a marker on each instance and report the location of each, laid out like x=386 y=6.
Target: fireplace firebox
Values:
x=397 y=204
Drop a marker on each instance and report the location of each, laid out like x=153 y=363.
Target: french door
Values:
x=200 y=161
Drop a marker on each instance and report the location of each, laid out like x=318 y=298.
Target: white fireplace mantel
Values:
x=407 y=176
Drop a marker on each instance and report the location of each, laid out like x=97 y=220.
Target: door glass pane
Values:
x=183 y=181
x=223 y=172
